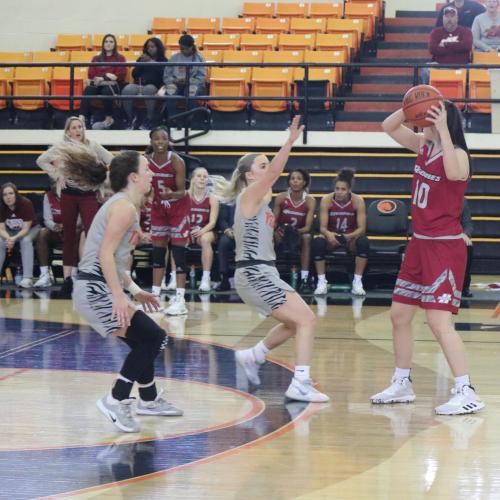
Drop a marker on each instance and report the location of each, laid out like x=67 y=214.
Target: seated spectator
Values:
x=342 y=224
x=147 y=81
x=174 y=77
x=486 y=28
x=449 y=44
x=294 y=209
x=225 y=245
x=467 y=11
x=468 y=228
x=104 y=80
x=204 y=213
x=17 y=225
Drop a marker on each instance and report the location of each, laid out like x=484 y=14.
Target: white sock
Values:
x=44 y=271
x=402 y=372
x=302 y=373
x=321 y=278
x=179 y=293
x=206 y=275
x=156 y=290
x=260 y=351
x=304 y=275
x=357 y=278
x=461 y=381
x=121 y=377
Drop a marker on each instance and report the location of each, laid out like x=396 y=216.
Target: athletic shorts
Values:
x=92 y=300
x=432 y=274
x=261 y=287
x=170 y=220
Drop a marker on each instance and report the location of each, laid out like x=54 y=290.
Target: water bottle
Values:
x=340 y=288
x=18 y=276
x=192 y=277
x=293 y=277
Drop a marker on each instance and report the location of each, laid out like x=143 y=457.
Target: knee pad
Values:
x=143 y=330
x=362 y=247
x=319 y=248
x=179 y=254
x=159 y=257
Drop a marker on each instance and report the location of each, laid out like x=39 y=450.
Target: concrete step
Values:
x=358 y=127
x=382 y=89
x=407 y=54
x=411 y=21
x=371 y=106
x=406 y=37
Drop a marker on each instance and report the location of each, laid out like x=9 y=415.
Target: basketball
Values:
x=417 y=101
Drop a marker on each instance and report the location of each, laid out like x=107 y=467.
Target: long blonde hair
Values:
x=68 y=123
x=191 y=183
x=227 y=191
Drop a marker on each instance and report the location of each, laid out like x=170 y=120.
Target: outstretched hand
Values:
x=295 y=129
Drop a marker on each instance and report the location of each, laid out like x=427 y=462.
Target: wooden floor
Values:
x=234 y=441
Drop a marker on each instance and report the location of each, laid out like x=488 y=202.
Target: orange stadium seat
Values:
x=171 y=41
x=229 y=82
x=214 y=55
x=288 y=9
x=366 y=11
x=297 y=42
x=259 y=42
x=243 y=56
x=265 y=25
x=378 y=5
x=334 y=74
x=258 y=9
x=137 y=41
x=271 y=82
x=221 y=42
x=73 y=42
x=354 y=26
x=30 y=81
x=450 y=82
x=486 y=57
x=284 y=56
x=13 y=57
x=345 y=42
x=480 y=88
x=164 y=25
x=4 y=88
x=326 y=10
x=61 y=84
x=238 y=25
x=121 y=42
x=299 y=25
x=82 y=56
x=49 y=57
x=203 y=25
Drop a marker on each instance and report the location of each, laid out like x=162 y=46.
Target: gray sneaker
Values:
x=120 y=413
x=159 y=407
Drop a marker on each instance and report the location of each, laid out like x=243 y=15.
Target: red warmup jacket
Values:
x=119 y=71
x=452 y=53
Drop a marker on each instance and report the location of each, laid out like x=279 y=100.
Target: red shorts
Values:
x=432 y=274
x=170 y=220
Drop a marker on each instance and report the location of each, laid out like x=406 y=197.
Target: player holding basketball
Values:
x=257 y=280
x=99 y=297
x=432 y=272
x=169 y=216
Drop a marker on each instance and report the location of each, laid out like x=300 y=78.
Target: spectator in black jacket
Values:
x=467 y=11
x=225 y=245
x=466 y=221
x=147 y=81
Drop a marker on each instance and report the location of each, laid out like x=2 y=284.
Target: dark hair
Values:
x=345 y=175
x=160 y=48
x=102 y=55
x=303 y=173
x=455 y=120
x=149 y=149
x=3 y=205
x=187 y=41
x=121 y=166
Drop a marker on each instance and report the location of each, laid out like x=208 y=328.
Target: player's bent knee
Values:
x=159 y=257
x=145 y=330
x=179 y=254
x=362 y=247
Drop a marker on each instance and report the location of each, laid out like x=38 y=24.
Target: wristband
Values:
x=134 y=288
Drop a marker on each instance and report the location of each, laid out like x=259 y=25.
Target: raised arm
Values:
x=393 y=126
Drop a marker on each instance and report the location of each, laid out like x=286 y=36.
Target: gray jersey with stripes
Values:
x=254 y=236
x=90 y=260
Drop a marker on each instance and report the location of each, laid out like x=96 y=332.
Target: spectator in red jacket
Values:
x=449 y=44
x=105 y=80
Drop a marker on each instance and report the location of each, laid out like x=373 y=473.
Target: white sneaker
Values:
x=205 y=285
x=120 y=413
x=246 y=360
x=465 y=400
x=357 y=288
x=177 y=307
x=26 y=283
x=400 y=391
x=305 y=391
x=158 y=407
x=104 y=125
x=172 y=284
x=43 y=282
x=321 y=288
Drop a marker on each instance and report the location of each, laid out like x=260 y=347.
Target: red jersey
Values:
x=436 y=202
x=163 y=177
x=55 y=206
x=293 y=214
x=145 y=220
x=342 y=217
x=13 y=219
x=200 y=212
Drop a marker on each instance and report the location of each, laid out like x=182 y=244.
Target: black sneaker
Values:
x=467 y=294
x=223 y=286
x=66 y=289
x=305 y=287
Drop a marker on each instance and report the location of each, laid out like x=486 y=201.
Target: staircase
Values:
x=405 y=41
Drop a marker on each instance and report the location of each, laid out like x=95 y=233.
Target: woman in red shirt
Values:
x=104 y=80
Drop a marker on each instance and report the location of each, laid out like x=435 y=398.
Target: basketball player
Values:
x=432 y=272
x=100 y=299
x=295 y=208
x=342 y=216
x=257 y=280
x=169 y=216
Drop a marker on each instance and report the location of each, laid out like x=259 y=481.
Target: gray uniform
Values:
x=91 y=295
x=259 y=285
